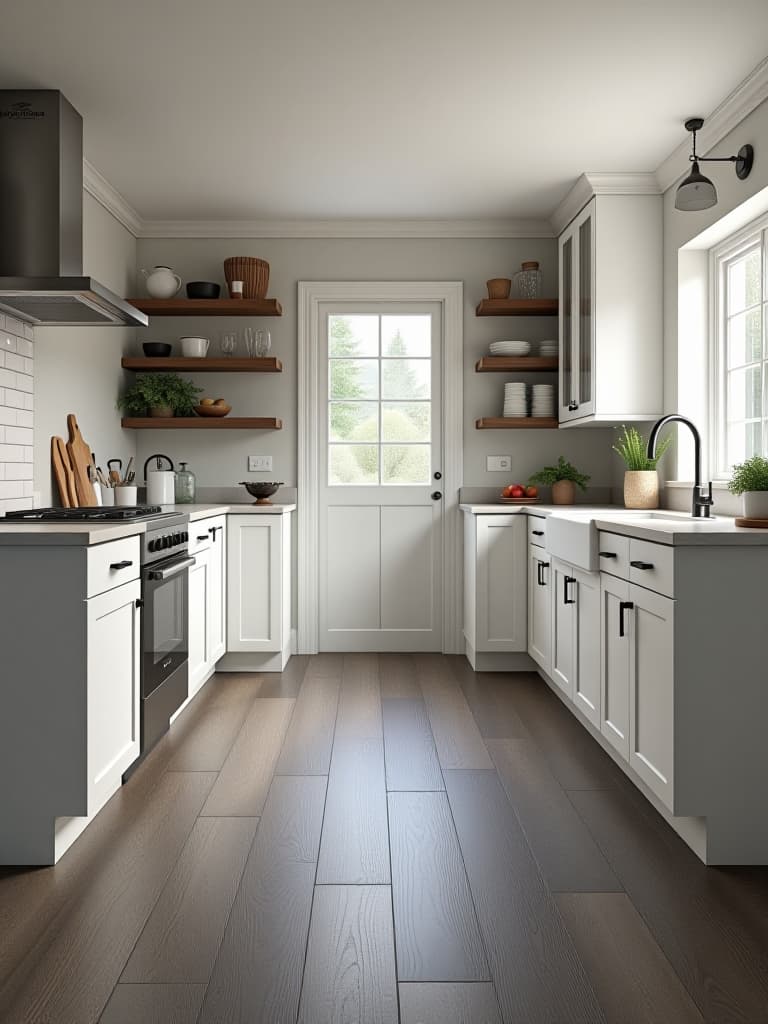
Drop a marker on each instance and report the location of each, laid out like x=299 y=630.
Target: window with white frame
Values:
x=739 y=361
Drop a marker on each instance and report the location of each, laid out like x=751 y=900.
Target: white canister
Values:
x=194 y=348
x=127 y=494
x=107 y=495
x=161 y=484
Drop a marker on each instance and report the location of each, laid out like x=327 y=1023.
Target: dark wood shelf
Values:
x=518 y=423
x=515 y=307
x=191 y=365
x=502 y=364
x=202 y=423
x=208 y=307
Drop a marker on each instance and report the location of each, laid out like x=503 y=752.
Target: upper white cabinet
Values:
x=610 y=271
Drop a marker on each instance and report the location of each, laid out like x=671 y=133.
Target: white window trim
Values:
x=755 y=231
x=450 y=294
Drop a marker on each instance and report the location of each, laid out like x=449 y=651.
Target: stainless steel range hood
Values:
x=41 y=218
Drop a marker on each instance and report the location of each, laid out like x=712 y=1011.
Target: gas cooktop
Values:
x=99 y=514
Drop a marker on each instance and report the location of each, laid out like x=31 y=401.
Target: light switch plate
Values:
x=259 y=463
x=498 y=463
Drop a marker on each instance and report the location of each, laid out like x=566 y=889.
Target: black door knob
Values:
x=436 y=495
x=438 y=475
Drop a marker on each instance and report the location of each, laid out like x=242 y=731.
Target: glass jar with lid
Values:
x=528 y=280
x=185 y=485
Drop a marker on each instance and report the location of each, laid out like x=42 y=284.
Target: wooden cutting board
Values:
x=62 y=473
x=80 y=457
x=755 y=524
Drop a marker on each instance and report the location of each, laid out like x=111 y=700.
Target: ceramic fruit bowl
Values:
x=261 y=491
x=219 y=408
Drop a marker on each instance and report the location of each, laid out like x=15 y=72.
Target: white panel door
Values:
x=380 y=540
x=540 y=608
x=217 y=592
x=586 y=676
x=502 y=612
x=615 y=634
x=199 y=626
x=651 y=691
x=563 y=639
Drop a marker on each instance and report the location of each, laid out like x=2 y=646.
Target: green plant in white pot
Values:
x=641 y=478
x=750 y=480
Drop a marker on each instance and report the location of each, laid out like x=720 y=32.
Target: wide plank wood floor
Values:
x=377 y=839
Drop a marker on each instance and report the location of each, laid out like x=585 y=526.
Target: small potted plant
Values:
x=750 y=480
x=159 y=394
x=641 y=479
x=563 y=478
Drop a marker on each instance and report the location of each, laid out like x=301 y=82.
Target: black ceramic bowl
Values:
x=262 y=492
x=152 y=349
x=203 y=290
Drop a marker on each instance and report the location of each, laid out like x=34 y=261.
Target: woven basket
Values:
x=254 y=274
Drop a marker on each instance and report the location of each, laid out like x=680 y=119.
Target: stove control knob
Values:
x=185 y=536
x=166 y=542
x=177 y=538
x=151 y=545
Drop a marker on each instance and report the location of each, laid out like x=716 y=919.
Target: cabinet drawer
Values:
x=613 y=553
x=652 y=566
x=537 y=531
x=110 y=565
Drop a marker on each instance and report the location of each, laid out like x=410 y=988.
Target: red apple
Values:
x=518 y=491
x=531 y=492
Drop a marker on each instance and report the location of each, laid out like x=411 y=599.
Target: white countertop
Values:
x=663 y=527
x=100 y=533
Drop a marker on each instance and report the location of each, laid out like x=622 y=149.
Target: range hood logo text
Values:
x=19 y=111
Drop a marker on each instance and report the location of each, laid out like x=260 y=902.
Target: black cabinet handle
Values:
x=120 y=565
x=624 y=606
x=212 y=530
x=139 y=603
x=572 y=406
x=566 y=581
x=204 y=537
x=641 y=565
x=540 y=567
x=537 y=533
x=608 y=554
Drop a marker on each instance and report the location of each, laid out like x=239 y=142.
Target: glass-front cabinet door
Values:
x=577 y=246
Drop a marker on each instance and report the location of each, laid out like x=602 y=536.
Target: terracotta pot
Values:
x=641 y=488
x=563 y=492
x=755 y=504
x=161 y=411
x=499 y=287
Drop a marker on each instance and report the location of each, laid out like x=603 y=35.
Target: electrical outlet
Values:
x=498 y=463
x=259 y=463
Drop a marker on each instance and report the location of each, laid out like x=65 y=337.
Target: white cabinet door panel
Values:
x=540 y=608
x=217 y=591
x=255 y=583
x=614 y=663
x=199 y=633
x=651 y=687
x=501 y=608
x=563 y=614
x=586 y=681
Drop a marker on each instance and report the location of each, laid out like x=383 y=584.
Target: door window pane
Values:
x=405 y=464
x=407 y=335
x=405 y=378
x=354 y=378
x=353 y=421
x=405 y=421
x=353 y=464
x=354 y=335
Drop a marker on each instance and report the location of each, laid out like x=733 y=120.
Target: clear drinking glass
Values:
x=228 y=344
x=249 y=338
x=263 y=343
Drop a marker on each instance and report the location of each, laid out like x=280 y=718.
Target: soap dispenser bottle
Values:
x=185 y=485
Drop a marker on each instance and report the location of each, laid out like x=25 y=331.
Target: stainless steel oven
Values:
x=164 y=625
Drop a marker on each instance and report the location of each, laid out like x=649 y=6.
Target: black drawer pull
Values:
x=641 y=565
x=566 y=581
x=608 y=554
x=204 y=537
x=537 y=533
x=120 y=565
x=540 y=566
x=624 y=606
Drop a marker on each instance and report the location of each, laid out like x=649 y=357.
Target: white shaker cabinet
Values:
x=610 y=324
x=575 y=628
x=207 y=599
x=258 y=592
x=199 y=639
x=495 y=575
x=614 y=662
x=540 y=608
x=563 y=607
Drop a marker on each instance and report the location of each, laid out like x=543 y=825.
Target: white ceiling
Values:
x=377 y=108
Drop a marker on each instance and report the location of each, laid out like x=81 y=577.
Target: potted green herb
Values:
x=641 y=479
x=563 y=478
x=159 y=394
x=750 y=480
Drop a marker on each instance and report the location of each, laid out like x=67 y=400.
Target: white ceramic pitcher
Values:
x=162 y=283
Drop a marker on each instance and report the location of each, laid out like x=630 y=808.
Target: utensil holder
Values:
x=126 y=494
x=107 y=495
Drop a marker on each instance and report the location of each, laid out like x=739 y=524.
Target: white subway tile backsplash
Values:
x=11 y=488
x=17 y=471
x=19 y=435
x=11 y=453
x=17 y=387
x=29 y=402
x=29 y=332
x=14 y=326
x=29 y=454
x=23 y=418
x=9 y=417
x=24 y=382
x=24 y=348
x=7 y=379
x=15 y=399
x=29 y=488
x=7 y=343
x=13 y=361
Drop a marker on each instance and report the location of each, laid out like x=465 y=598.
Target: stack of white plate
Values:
x=510 y=348
x=515 y=400
x=543 y=403
x=548 y=348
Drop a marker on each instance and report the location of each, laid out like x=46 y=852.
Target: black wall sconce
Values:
x=697 y=192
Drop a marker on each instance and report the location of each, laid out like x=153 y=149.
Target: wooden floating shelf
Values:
x=518 y=423
x=501 y=364
x=515 y=307
x=202 y=423
x=223 y=365
x=208 y=307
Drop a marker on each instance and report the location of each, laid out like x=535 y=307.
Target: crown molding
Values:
x=346 y=229
x=738 y=105
x=97 y=185
x=595 y=183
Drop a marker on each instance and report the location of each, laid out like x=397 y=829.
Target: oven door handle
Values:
x=171 y=570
